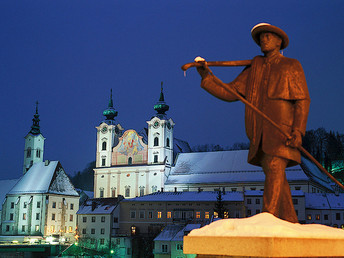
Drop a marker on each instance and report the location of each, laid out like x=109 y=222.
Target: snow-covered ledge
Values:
x=264 y=235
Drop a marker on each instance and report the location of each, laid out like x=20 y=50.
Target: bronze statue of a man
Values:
x=277 y=86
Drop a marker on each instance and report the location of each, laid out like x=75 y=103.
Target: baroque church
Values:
x=131 y=163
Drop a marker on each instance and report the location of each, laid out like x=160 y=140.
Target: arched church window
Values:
x=38 y=153
x=156 y=141
x=142 y=190
x=168 y=142
x=104 y=146
x=28 y=153
x=130 y=160
x=101 y=192
x=127 y=191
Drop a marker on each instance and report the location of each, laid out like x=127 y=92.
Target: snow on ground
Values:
x=267 y=225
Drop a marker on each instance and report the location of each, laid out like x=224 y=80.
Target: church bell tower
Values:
x=34 y=144
x=160 y=134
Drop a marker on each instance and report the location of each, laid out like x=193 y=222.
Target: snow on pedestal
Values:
x=264 y=235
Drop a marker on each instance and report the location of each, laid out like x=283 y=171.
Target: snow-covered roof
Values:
x=204 y=196
x=316 y=201
x=5 y=187
x=335 y=201
x=169 y=232
x=180 y=235
x=99 y=206
x=45 y=178
x=223 y=167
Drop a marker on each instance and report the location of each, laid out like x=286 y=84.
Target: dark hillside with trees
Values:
x=84 y=180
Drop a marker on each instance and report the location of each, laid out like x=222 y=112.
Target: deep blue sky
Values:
x=69 y=54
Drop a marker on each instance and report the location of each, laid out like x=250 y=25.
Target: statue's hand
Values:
x=296 y=139
x=203 y=70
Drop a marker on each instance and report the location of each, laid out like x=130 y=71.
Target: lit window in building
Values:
x=54 y=205
x=198 y=214
x=156 y=141
x=133 y=230
x=309 y=216
x=24 y=216
x=52 y=228
x=37 y=228
x=216 y=215
x=226 y=215
x=93 y=219
x=150 y=214
x=70 y=229
x=104 y=146
x=317 y=216
x=206 y=215
x=159 y=215
x=169 y=214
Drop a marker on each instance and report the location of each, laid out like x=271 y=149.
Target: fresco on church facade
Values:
x=130 y=144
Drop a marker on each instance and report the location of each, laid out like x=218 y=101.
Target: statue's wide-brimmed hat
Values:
x=266 y=27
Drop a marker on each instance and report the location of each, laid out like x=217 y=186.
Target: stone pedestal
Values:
x=241 y=246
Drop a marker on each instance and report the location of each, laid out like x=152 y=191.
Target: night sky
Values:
x=68 y=54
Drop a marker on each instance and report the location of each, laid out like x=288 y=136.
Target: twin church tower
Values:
x=128 y=163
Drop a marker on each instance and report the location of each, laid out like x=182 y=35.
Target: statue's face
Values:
x=269 y=42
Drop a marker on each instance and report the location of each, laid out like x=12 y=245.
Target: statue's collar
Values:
x=273 y=58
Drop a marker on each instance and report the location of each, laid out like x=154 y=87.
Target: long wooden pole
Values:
x=259 y=112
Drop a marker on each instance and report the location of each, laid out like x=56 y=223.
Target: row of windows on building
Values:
x=93 y=231
x=29 y=153
x=93 y=219
x=164 y=248
x=257 y=201
x=156 y=143
x=38 y=216
x=141 y=214
x=326 y=216
x=126 y=191
x=130 y=160
x=38 y=205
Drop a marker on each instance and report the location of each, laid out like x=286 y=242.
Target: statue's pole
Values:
x=255 y=109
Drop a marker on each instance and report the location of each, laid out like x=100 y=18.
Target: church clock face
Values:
x=104 y=129
x=156 y=124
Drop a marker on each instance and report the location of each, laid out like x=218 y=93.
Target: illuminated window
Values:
x=169 y=214
x=37 y=228
x=198 y=214
x=24 y=216
x=52 y=228
x=317 y=216
x=70 y=229
x=309 y=216
x=150 y=214
x=225 y=215
x=159 y=215
x=206 y=215
x=216 y=215
x=133 y=230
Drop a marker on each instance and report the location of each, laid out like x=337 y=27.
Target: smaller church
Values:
x=43 y=202
x=131 y=163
